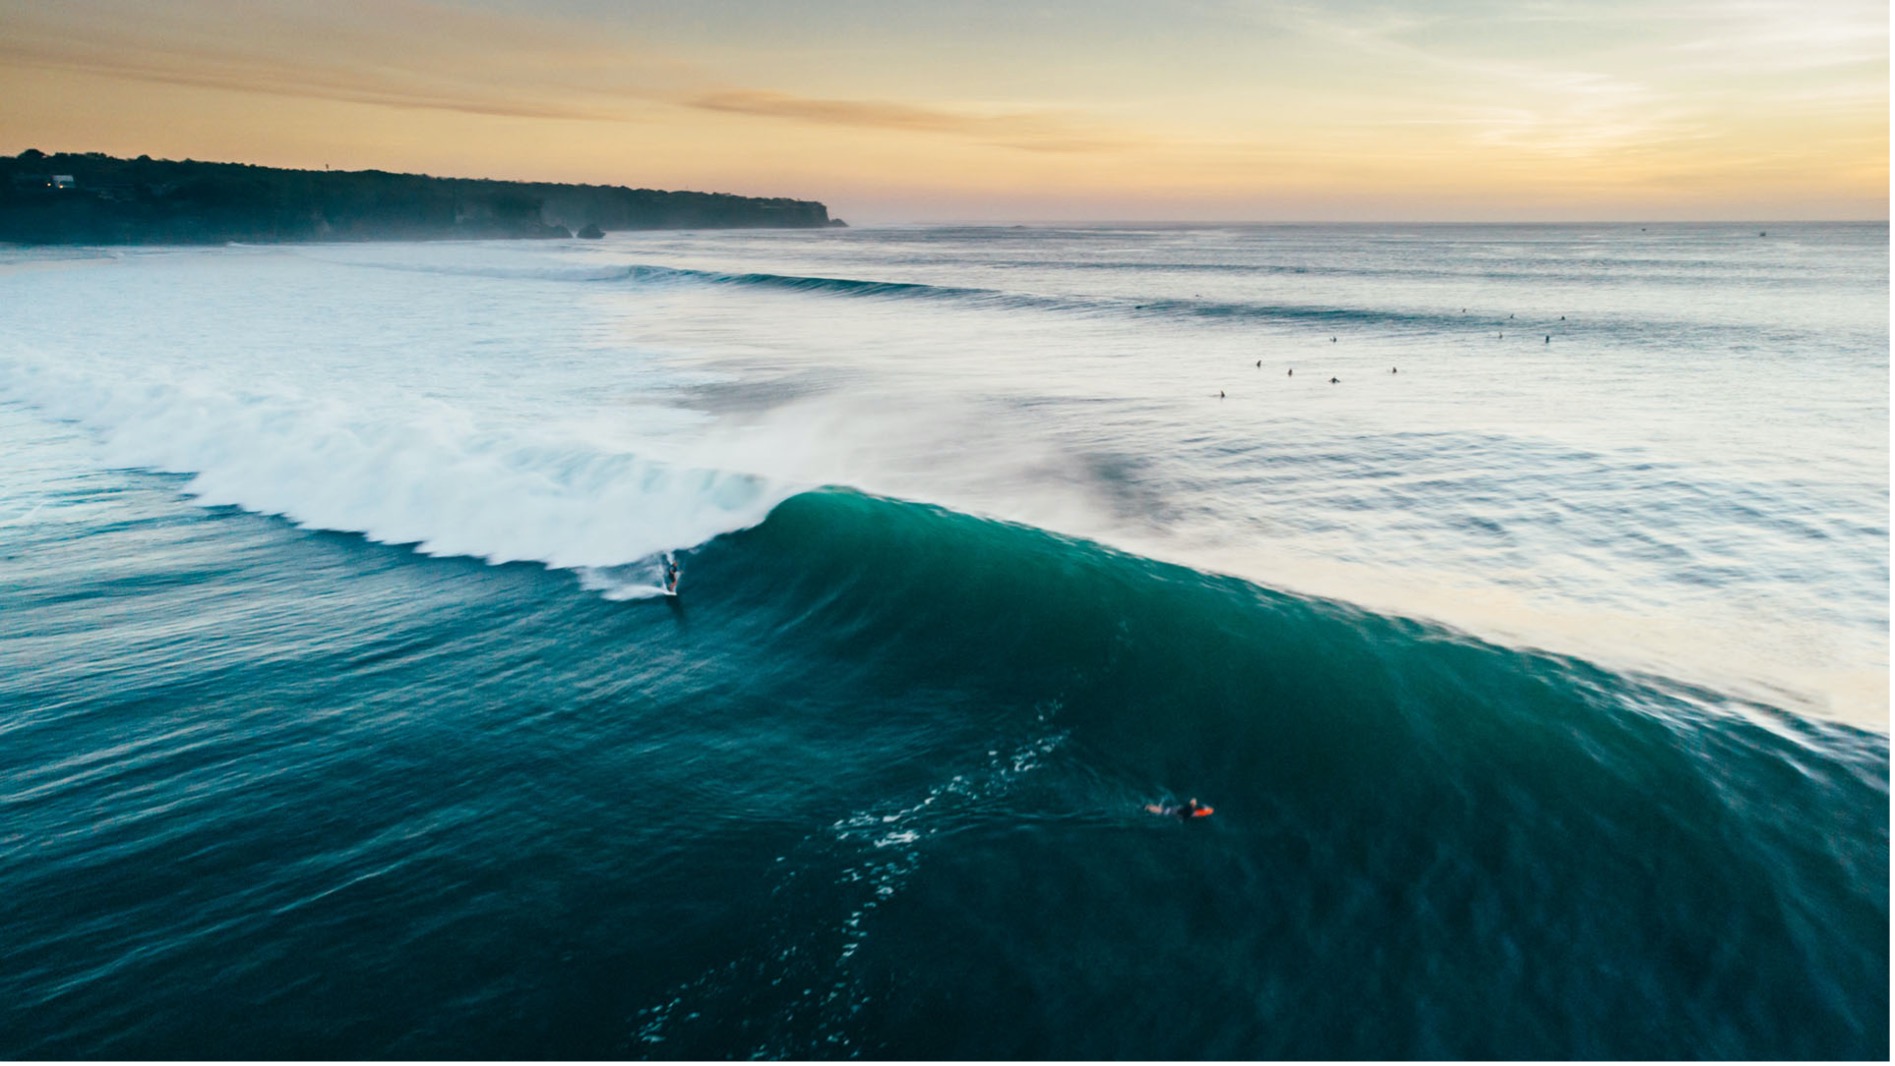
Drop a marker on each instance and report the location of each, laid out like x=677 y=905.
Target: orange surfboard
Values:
x=1201 y=812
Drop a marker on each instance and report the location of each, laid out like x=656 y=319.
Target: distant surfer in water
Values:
x=671 y=575
x=1185 y=811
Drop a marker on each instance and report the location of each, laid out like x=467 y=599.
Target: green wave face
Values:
x=1496 y=853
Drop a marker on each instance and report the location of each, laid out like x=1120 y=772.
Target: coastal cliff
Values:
x=92 y=198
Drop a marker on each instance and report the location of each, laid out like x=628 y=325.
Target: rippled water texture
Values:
x=1536 y=666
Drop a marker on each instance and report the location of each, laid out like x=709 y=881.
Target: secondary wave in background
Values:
x=1622 y=328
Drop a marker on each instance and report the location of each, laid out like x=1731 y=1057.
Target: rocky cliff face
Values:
x=149 y=201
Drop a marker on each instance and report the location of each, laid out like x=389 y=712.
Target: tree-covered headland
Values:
x=92 y=198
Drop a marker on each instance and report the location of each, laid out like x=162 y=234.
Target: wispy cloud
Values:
x=1759 y=36
x=401 y=53
x=281 y=80
x=1594 y=92
x=422 y=55
x=875 y=113
x=1034 y=131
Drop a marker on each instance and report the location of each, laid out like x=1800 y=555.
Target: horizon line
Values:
x=1019 y=221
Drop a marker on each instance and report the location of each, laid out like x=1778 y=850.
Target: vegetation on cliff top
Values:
x=92 y=198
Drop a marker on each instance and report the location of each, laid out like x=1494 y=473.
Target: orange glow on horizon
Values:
x=1771 y=113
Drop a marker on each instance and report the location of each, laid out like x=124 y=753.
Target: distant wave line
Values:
x=1183 y=307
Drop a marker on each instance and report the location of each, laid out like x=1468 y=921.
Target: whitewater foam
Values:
x=431 y=476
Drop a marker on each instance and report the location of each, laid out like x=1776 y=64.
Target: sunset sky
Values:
x=893 y=111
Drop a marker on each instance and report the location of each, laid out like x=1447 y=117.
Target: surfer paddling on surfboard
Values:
x=671 y=575
x=1184 y=811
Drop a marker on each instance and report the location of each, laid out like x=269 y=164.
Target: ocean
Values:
x=1516 y=595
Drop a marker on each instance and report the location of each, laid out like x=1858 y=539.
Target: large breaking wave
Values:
x=1399 y=805
x=433 y=477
